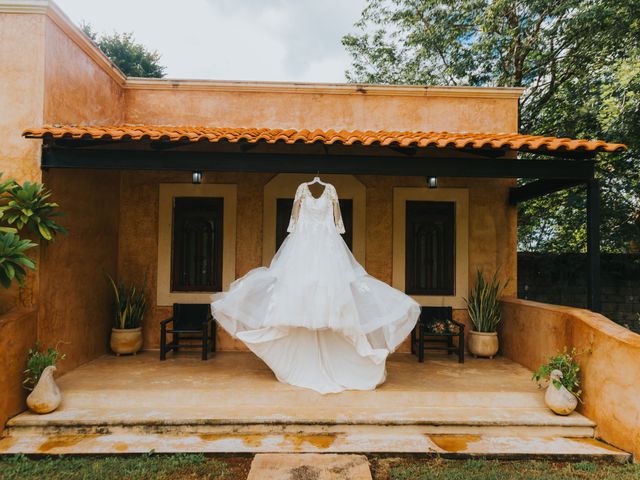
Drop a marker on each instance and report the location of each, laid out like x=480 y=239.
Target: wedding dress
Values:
x=315 y=316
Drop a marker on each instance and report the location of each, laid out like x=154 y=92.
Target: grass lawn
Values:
x=200 y=467
x=151 y=467
x=441 y=469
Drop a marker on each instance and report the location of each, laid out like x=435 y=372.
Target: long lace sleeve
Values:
x=337 y=215
x=295 y=211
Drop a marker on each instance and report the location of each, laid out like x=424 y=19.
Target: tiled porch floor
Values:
x=233 y=403
x=238 y=387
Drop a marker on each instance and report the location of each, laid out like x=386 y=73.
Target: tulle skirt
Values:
x=315 y=317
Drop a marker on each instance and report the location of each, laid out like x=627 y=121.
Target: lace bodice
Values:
x=321 y=211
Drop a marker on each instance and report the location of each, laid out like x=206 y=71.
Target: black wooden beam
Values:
x=539 y=188
x=593 y=246
x=303 y=163
x=569 y=154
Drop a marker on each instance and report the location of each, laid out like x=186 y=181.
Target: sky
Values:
x=276 y=40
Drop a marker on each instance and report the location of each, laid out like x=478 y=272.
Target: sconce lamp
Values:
x=196 y=177
x=432 y=182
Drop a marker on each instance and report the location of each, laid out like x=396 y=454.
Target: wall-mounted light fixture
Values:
x=196 y=177
x=432 y=182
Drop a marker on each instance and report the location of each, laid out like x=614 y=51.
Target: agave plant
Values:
x=129 y=304
x=13 y=260
x=484 y=303
x=28 y=207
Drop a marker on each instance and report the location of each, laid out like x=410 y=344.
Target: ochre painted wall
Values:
x=17 y=335
x=75 y=308
x=21 y=97
x=182 y=106
x=77 y=90
x=21 y=93
x=138 y=239
x=491 y=233
x=531 y=332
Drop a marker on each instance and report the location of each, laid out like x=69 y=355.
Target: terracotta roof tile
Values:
x=510 y=141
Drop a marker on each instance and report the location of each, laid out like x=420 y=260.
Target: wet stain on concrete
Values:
x=120 y=447
x=248 y=440
x=63 y=441
x=454 y=443
x=6 y=443
x=322 y=441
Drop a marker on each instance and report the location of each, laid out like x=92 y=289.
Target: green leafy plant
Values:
x=13 y=259
x=23 y=206
x=37 y=360
x=565 y=362
x=28 y=206
x=484 y=303
x=130 y=304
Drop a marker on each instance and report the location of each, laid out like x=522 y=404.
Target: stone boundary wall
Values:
x=561 y=279
x=532 y=331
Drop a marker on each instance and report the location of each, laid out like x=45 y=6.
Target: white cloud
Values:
x=294 y=40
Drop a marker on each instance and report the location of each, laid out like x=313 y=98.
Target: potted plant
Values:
x=45 y=395
x=561 y=375
x=129 y=306
x=484 y=311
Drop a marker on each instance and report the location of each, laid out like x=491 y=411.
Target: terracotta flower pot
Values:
x=483 y=344
x=126 y=340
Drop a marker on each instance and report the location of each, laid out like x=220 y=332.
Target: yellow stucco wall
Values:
x=182 y=103
x=490 y=242
x=77 y=90
x=17 y=335
x=21 y=97
x=75 y=307
x=532 y=332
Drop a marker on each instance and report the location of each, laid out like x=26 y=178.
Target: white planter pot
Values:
x=126 y=340
x=483 y=344
x=560 y=400
x=46 y=396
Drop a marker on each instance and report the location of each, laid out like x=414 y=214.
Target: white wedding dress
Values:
x=315 y=316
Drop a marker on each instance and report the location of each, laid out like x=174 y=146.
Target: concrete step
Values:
x=456 y=420
x=357 y=440
x=193 y=398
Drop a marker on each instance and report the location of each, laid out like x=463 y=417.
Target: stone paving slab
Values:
x=309 y=467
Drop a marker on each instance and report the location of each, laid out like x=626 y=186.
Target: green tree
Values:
x=133 y=59
x=578 y=60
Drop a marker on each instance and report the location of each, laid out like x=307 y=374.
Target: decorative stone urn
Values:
x=560 y=400
x=46 y=396
x=126 y=340
x=483 y=344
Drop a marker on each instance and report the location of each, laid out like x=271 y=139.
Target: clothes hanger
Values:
x=316 y=179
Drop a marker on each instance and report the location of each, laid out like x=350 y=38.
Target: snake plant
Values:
x=484 y=303
x=129 y=304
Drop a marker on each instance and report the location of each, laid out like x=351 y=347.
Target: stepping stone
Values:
x=309 y=466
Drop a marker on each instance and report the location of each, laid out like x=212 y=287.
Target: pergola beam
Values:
x=540 y=188
x=312 y=163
